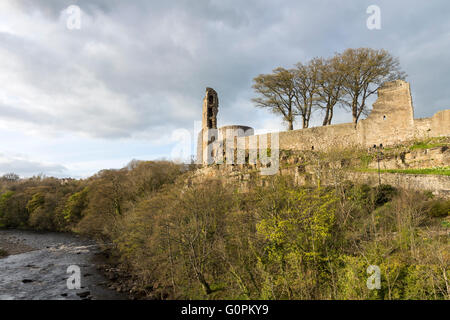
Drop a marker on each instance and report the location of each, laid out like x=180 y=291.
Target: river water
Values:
x=41 y=274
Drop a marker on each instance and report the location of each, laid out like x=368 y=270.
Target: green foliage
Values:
x=3 y=253
x=178 y=237
x=440 y=208
x=296 y=226
x=75 y=205
x=36 y=202
x=4 y=202
x=13 y=213
x=365 y=159
x=443 y=171
x=383 y=194
x=429 y=143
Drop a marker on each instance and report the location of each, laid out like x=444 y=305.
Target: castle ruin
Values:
x=390 y=122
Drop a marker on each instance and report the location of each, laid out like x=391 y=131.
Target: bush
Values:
x=383 y=194
x=440 y=208
x=179 y=237
x=3 y=253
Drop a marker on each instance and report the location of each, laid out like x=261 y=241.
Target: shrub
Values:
x=75 y=205
x=3 y=253
x=383 y=194
x=439 y=208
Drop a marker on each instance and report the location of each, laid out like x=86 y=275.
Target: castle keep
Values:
x=390 y=122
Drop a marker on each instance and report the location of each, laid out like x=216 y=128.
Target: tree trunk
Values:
x=205 y=284
x=325 y=120
x=305 y=123
x=355 y=116
x=330 y=116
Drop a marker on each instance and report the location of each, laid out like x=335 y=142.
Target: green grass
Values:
x=429 y=143
x=366 y=159
x=445 y=171
x=3 y=253
x=424 y=145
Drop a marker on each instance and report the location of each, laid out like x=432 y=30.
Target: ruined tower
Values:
x=391 y=120
x=211 y=137
x=210 y=109
x=209 y=121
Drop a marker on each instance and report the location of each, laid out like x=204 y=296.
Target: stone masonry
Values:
x=390 y=122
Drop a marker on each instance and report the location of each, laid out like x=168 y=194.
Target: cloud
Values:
x=137 y=70
x=26 y=167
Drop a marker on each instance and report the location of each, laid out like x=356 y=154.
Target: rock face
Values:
x=416 y=159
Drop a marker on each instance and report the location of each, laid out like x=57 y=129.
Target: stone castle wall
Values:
x=390 y=122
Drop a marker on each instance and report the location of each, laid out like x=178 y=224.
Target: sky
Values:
x=127 y=79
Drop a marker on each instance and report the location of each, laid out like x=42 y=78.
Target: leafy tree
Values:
x=297 y=225
x=4 y=206
x=75 y=205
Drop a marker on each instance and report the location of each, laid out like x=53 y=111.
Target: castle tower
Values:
x=211 y=139
x=209 y=121
x=210 y=109
x=391 y=120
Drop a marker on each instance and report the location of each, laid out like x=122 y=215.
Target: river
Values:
x=36 y=268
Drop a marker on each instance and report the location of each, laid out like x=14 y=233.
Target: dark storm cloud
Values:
x=140 y=67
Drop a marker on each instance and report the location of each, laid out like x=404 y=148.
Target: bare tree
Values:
x=347 y=79
x=11 y=177
x=276 y=93
x=306 y=86
x=365 y=70
x=330 y=86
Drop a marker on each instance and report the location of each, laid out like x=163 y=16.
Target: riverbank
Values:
x=12 y=245
x=37 y=263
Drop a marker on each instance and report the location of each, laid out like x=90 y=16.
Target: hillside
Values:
x=176 y=231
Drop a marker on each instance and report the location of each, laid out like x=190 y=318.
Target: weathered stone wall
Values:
x=440 y=123
x=310 y=168
x=422 y=128
x=438 y=185
x=391 y=122
x=415 y=159
x=319 y=138
x=392 y=118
